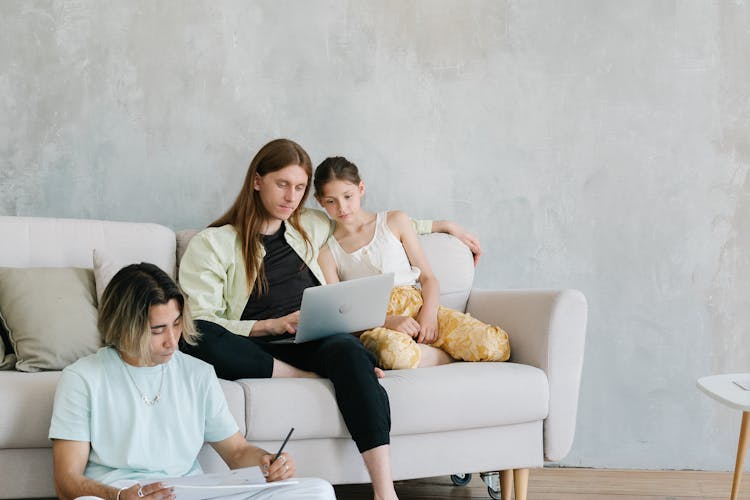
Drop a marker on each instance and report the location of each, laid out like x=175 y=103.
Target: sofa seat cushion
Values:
x=27 y=407
x=443 y=398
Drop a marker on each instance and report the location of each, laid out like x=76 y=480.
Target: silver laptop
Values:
x=344 y=307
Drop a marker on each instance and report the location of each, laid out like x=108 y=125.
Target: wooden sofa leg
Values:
x=521 y=480
x=506 y=483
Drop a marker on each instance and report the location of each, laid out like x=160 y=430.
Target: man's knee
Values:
x=320 y=489
x=342 y=345
x=345 y=352
x=339 y=340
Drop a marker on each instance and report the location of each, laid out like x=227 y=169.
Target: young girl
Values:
x=417 y=330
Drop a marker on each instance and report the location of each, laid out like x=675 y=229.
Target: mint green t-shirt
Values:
x=96 y=401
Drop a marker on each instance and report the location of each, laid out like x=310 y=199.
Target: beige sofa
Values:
x=459 y=418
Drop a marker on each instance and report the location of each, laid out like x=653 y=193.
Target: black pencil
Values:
x=282 y=445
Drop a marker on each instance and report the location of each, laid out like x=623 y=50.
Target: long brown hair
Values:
x=248 y=214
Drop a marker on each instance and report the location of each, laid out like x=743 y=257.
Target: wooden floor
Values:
x=575 y=484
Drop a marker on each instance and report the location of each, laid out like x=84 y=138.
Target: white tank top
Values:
x=383 y=254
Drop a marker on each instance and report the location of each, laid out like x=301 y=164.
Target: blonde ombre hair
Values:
x=124 y=307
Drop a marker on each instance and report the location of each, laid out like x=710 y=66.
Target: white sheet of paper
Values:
x=219 y=484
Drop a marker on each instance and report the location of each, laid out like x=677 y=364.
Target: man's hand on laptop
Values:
x=277 y=326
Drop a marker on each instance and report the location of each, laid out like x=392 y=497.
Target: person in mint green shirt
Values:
x=139 y=410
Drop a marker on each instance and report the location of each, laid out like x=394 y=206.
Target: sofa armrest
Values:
x=547 y=329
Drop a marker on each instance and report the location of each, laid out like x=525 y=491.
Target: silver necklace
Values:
x=144 y=398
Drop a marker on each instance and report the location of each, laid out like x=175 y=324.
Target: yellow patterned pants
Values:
x=461 y=336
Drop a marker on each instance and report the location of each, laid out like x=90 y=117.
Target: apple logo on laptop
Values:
x=345 y=308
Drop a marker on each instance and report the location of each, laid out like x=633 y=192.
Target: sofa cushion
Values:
x=235 y=401
x=27 y=407
x=50 y=314
x=183 y=239
x=453 y=265
x=50 y=242
x=7 y=357
x=108 y=262
x=423 y=400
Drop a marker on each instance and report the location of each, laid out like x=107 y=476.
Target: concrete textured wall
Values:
x=598 y=145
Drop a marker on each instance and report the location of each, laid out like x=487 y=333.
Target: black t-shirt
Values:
x=287 y=276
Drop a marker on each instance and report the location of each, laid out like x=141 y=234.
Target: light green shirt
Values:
x=212 y=270
x=99 y=400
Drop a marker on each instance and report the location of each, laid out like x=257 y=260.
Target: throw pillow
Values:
x=50 y=314
x=105 y=268
x=106 y=265
x=7 y=357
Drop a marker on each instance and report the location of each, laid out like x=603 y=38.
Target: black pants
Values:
x=341 y=358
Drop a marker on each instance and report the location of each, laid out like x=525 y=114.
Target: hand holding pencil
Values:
x=279 y=466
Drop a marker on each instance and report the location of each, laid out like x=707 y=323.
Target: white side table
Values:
x=724 y=390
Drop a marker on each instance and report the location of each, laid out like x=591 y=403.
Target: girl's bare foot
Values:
x=432 y=356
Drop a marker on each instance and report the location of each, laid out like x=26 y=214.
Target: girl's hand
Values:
x=403 y=324
x=468 y=239
x=282 y=468
x=428 y=328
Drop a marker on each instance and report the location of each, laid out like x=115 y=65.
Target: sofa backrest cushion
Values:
x=450 y=259
x=50 y=242
x=453 y=266
x=183 y=240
